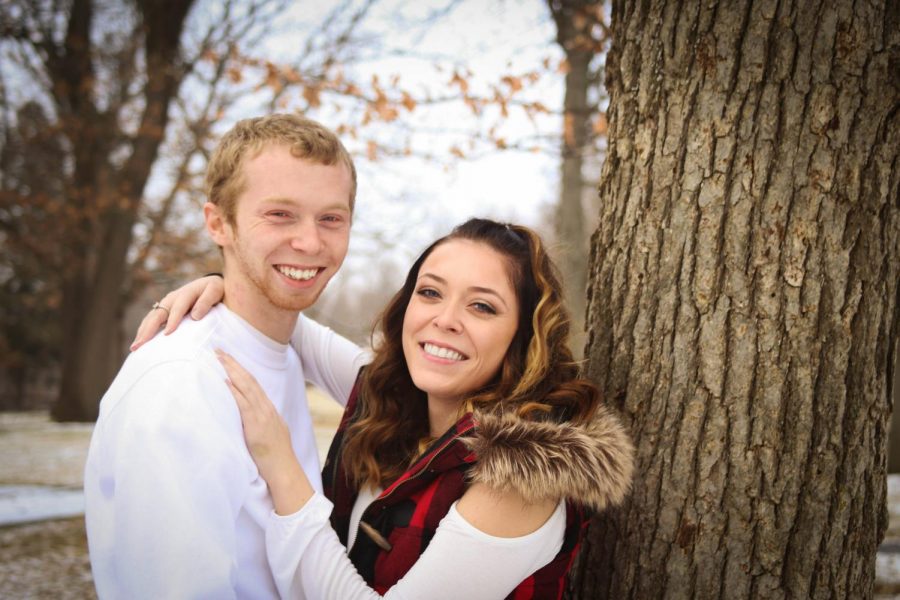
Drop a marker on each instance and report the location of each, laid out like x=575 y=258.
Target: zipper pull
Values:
x=376 y=537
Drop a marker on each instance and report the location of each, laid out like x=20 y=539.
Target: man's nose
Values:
x=306 y=238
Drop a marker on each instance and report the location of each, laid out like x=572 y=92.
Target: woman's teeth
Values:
x=297 y=274
x=442 y=352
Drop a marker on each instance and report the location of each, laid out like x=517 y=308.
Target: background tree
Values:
x=124 y=89
x=743 y=296
x=31 y=161
x=582 y=33
x=109 y=166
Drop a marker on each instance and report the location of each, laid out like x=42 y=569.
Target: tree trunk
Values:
x=91 y=319
x=92 y=293
x=574 y=19
x=571 y=233
x=894 y=439
x=743 y=297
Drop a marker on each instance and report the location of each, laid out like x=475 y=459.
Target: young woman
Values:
x=470 y=451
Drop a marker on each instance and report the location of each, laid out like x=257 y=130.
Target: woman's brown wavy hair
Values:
x=538 y=379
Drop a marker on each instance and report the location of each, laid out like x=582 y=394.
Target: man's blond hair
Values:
x=306 y=139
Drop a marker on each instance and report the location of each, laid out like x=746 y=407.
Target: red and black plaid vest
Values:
x=397 y=527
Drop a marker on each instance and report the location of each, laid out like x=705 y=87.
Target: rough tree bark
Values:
x=743 y=297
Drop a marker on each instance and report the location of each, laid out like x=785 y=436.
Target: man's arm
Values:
x=165 y=482
x=330 y=361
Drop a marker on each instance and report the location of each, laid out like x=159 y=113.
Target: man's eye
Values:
x=279 y=214
x=333 y=220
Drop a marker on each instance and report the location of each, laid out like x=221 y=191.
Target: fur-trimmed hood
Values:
x=590 y=464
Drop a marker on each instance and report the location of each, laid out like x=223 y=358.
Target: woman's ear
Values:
x=218 y=227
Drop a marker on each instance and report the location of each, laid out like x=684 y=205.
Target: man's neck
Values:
x=253 y=307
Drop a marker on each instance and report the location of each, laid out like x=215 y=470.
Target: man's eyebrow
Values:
x=474 y=288
x=282 y=200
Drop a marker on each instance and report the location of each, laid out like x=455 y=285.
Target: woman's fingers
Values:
x=239 y=397
x=238 y=375
x=212 y=294
x=178 y=304
x=148 y=327
x=241 y=379
x=196 y=297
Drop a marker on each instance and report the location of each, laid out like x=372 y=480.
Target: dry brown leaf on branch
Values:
x=514 y=83
x=408 y=102
x=459 y=80
x=273 y=78
x=312 y=95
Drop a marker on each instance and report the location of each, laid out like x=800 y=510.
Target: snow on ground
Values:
x=40 y=493
x=26 y=503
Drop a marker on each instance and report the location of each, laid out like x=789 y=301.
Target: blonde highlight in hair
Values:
x=306 y=139
x=538 y=378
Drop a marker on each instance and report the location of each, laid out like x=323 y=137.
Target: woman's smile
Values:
x=460 y=320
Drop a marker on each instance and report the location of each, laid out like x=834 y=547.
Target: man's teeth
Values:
x=298 y=274
x=442 y=352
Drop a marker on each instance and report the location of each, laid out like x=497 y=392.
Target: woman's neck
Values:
x=442 y=413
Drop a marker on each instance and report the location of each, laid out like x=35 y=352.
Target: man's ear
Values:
x=217 y=225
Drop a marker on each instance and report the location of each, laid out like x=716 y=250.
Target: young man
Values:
x=174 y=505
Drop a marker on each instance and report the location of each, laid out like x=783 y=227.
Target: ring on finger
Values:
x=160 y=306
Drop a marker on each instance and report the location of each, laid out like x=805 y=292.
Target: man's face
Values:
x=290 y=235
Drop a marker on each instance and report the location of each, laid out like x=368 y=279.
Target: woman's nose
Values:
x=447 y=319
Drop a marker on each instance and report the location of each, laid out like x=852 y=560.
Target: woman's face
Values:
x=460 y=320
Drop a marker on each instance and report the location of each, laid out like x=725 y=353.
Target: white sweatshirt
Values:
x=175 y=507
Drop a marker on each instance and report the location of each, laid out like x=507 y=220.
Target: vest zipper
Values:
x=428 y=464
x=380 y=541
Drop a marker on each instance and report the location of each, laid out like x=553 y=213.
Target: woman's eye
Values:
x=484 y=307
x=428 y=293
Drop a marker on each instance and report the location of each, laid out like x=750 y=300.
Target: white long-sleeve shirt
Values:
x=175 y=507
x=308 y=560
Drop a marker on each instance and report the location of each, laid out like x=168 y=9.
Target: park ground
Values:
x=43 y=553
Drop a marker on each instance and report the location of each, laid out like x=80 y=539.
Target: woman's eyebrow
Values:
x=474 y=288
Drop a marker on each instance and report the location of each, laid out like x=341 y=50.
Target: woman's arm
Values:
x=486 y=545
x=268 y=440
x=330 y=361
x=504 y=515
x=461 y=561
